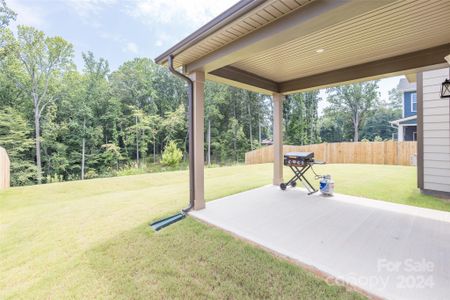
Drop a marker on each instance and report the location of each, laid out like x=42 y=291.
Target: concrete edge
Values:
x=310 y=268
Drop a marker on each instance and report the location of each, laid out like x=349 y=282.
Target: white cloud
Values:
x=87 y=8
x=117 y=38
x=196 y=12
x=131 y=47
x=164 y=39
x=27 y=15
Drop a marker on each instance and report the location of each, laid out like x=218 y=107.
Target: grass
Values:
x=396 y=184
x=91 y=240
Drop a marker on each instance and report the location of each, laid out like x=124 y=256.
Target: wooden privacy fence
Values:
x=387 y=153
x=4 y=169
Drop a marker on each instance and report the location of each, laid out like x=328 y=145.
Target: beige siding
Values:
x=4 y=169
x=436 y=134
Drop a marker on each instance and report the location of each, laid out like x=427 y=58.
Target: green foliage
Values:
x=90 y=174
x=354 y=101
x=395 y=99
x=335 y=126
x=15 y=138
x=6 y=14
x=301 y=119
x=111 y=156
x=97 y=122
x=171 y=156
x=378 y=139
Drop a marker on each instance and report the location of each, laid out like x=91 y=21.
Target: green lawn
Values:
x=91 y=240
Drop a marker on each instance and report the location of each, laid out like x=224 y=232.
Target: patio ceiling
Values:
x=290 y=45
x=390 y=30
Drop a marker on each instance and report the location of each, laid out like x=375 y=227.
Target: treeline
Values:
x=59 y=123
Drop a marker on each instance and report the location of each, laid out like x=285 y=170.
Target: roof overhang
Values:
x=401 y=121
x=290 y=45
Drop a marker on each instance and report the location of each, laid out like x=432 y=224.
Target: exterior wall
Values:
x=4 y=169
x=436 y=133
x=407 y=111
x=410 y=133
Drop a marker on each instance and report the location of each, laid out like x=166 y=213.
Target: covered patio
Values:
x=279 y=47
x=389 y=250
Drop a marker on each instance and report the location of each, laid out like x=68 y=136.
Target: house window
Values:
x=413 y=102
x=414 y=137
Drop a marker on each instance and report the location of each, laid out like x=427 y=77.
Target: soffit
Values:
x=255 y=19
x=396 y=28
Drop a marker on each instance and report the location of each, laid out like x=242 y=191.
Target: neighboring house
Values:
x=407 y=125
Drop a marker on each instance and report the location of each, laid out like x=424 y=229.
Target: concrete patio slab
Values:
x=389 y=250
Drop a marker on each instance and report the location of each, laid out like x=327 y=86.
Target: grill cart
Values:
x=300 y=163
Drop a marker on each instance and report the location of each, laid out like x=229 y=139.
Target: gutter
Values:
x=191 y=132
x=225 y=18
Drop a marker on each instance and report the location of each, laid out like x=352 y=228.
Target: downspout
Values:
x=191 y=132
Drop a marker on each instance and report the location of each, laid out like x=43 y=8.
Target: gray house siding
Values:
x=436 y=133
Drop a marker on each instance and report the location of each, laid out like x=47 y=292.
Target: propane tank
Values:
x=326 y=185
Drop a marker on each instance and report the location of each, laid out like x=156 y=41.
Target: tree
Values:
x=42 y=57
x=395 y=99
x=15 y=138
x=214 y=97
x=335 y=126
x=355 y=100
x=301 y=118
x=174 y=125
x=6 y=14
x=377 y=123
x=87 y=123
x=95 y=87
x=171 y=156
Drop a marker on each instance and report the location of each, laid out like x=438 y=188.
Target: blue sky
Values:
x=119 y=30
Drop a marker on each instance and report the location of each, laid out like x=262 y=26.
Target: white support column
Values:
x=401 y=131
x=198 y=126
x=277 y=138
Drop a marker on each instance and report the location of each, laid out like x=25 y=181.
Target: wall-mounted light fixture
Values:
x=445 y=90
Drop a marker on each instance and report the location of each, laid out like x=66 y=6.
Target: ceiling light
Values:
x=320 y=50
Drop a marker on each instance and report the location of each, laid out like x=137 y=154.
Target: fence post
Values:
x=4 y=169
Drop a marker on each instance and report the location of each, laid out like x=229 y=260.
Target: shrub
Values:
x=90 y=174
x=171 y=156
x=130 y=171
x=378 y=139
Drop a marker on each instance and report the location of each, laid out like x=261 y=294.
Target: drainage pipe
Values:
x=190 y=84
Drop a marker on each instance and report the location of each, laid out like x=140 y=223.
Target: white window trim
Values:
x=411 y=97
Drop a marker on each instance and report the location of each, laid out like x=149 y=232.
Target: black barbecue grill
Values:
x=300 y=163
